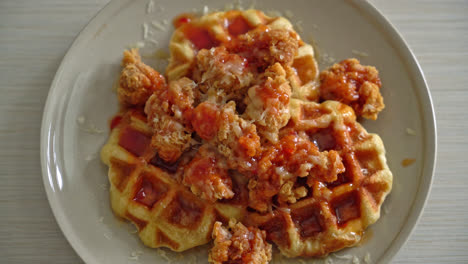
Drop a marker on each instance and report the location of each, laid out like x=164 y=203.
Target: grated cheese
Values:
x=137 y=45
x=163 y=254
x=360 y=53
x=155 y=42
x=327 y=58
x=347 y=257
x=150 y=7
x=107 y=236
x=367 y=258
x=103 y=186
x=145 y=30
x=158 y=25
x=135 y=255
x=410 y=131
x=205 y=10
x=90 y=127
x=90 y=157
x=81 y=120
x=355 y=260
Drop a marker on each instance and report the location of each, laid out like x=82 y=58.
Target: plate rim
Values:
x=396 y=40
x=430 y=132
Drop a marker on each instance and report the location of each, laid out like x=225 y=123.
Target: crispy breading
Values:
x=355 y=85
x=268 y=103
x=235 y=138
x=239 y=244
x=282 y=163
x=264 y=47
x=167 y=112
x=207 y=175
x=137 y=80
x=217 y=69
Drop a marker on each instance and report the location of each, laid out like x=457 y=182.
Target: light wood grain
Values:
x=34 y=36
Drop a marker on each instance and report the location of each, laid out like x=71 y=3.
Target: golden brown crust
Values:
x=137 y=80
x=282 y=163
x=220 y=70
x=264 y=46
x=167 y=110
x=268 y=102
x=353 y=84
x=239 y=244
x=207 y=175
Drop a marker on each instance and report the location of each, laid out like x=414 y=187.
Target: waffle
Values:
x=241 y=133
x=334 y=215
x=184 y=45
x=144 y=191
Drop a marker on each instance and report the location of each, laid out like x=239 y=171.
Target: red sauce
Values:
x=134 y=141
x=122 y=174
x=238 y=26
x=341 y=179
x=272 y=95
x=115 y=121
x=157 y=80
x=307 y=220
x=160 y=163
x=276 y=230
x=182 y=19
x=324 y=139
x=204 y=120
x=184 y=211
x=346 y=208
x=151 y=190
x=202 y=169
x=200 y=37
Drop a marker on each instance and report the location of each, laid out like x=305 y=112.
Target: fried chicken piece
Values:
x=168 y=111
x=327 y=167
x=220 y=70
x=282 y=163
x=290 y=193
x=355 y=85
x=264 y=47
x=236 y=138
x=268 y=103
x=137 y=80
x=207 y=175
x=205 y=120
x=239 y=244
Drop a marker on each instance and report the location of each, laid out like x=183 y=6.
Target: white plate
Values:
x=75 y=179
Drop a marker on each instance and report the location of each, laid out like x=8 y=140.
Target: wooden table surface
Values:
x=35 y=35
